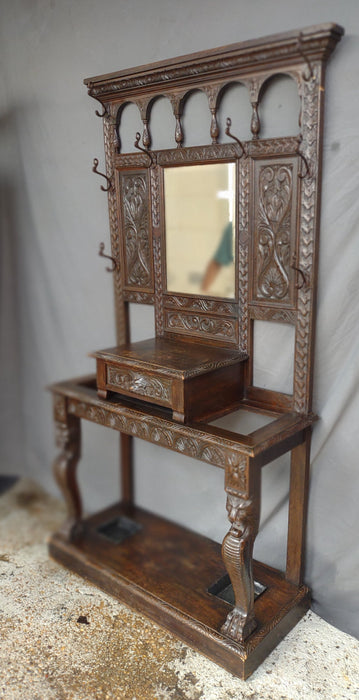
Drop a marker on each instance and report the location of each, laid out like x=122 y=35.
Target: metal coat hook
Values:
x=90 y=93
x=103 y=255
x=294 y=266
x=228 y=133
x=306 y=59
x=144 y=150
x=302 y=156
x=94 y=170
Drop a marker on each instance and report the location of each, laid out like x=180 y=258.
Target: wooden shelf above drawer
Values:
x=196 y=381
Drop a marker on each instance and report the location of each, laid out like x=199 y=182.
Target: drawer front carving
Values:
x=141 y=384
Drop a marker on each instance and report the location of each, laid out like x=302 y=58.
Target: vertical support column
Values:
x=127 y=481
x=121 y=307
x=298 y=506
x=312 y=101
x=243 y=506
x=68 y=439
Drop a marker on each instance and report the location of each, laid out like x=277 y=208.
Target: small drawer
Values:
x=135 y=383
x=193 y=380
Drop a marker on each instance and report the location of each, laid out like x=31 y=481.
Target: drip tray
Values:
x=223 y=589
x=119 y=529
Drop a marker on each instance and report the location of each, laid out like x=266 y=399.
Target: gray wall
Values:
x=56 y=299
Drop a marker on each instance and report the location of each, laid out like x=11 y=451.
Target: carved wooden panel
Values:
x=136 y=230
x=192 y=442
x=312 y=106
x=201 y=304
x=208 y=327
x=274 y=234
x=138 y=297
x=199 y=154
x=140 y=384
x=265 y=313
x=236 y=477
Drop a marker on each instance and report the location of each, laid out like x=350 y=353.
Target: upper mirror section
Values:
x=200 y=229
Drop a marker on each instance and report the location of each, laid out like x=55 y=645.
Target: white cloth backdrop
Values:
x=56 y=298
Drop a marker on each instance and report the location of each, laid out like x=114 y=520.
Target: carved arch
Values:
x=225 y=88
x=150 y=105
x=269 y=82
x=186 y=96
x=118 y=119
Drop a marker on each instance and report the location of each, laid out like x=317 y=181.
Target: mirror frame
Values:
x=212 y=234
x=211 y=318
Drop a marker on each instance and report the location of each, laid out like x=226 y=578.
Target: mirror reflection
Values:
x=199 y=222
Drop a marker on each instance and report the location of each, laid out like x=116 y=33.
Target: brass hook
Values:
x=144 y=150
x=103 y=255
x=108 y=180
x=90 y=93
x=303 y=283
x=302 y=156
x=306 y=59
x=228 y=133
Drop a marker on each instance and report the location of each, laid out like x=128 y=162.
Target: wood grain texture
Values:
x=171 y=593
x=200 y=364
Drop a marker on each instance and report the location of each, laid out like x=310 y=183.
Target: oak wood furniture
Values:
x=195 y=380
x=168 y=390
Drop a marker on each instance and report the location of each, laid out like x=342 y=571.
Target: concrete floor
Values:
x=63 y=639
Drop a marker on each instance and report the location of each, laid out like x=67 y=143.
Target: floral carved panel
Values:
x=205 y=326
x=136 y=234
x=274 y=240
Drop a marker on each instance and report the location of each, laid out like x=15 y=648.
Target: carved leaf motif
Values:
x=200 y=304
x=243 y=271
x=273 y=232
x=200 y=153
x=136 y=230
x=198 y=325
x=109 y=140
x=270 y=314
x=311 y=135
x=185 y=440
x=139 y=297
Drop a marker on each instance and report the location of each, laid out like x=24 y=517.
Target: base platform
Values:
x=166 y=571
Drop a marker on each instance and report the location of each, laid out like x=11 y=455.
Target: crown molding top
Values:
x=235 y=61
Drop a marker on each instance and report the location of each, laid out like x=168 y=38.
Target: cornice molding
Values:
x=236 y=61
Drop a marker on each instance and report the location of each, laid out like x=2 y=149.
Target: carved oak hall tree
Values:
x=255 y=206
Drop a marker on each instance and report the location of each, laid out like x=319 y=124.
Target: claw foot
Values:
x=238 y=626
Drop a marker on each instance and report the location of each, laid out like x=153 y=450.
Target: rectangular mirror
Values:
x=200 y=207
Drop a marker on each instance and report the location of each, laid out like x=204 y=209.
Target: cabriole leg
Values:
x=68 y=439
x=237 y=553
